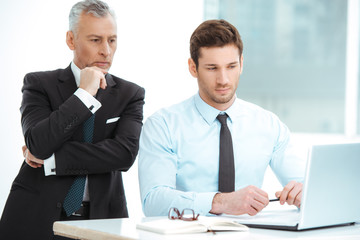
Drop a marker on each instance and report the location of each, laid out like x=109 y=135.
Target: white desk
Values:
x=115 y=229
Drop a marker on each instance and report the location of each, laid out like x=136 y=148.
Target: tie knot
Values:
x=222 y=118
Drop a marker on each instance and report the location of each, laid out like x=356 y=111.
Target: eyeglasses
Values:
x=186 y=215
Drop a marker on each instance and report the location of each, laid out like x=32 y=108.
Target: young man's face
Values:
x=94 y=42
x=218 y=75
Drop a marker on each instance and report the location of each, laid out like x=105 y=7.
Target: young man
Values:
x=189 y=159
x=85 y=123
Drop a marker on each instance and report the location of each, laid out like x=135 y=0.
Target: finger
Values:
x=24 y=152
x=103 y=83
x=252 y=211
x=297 y=201
x=285 y=192
x=293 y=194
x=260 y=201
x=24 y=149
x=258 y=206
x=37 y=165
x=29 y=155
x=263 y=200
x=37 y=161
x=30 y=163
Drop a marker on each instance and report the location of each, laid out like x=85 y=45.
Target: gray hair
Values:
x=95 y=7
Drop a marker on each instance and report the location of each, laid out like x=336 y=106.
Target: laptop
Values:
x=331 y=192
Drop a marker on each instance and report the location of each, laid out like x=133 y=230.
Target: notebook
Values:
x=203 y=224
x=331 y=192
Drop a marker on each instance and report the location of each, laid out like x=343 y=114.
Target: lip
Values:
x=101 y=64
x=222 y=90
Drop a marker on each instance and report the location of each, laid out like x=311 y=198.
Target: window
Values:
x=294 y=58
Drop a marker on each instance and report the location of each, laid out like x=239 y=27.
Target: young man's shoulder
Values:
x=173 y=114
x=253 y=108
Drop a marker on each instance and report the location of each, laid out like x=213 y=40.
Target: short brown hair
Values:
x=213 y=33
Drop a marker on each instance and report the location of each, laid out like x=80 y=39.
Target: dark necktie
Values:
x=226 y=158
x=75 y=195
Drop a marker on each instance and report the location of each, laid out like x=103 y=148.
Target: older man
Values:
x=81 y=127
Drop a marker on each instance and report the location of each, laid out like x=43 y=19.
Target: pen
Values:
x=274 y=200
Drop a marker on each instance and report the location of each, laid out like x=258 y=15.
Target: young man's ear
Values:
x=70 y=40
x=192 y=68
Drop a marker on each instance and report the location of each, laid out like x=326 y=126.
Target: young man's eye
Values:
x=211 y=68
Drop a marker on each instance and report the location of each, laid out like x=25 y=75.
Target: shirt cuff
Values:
x=90 y=102
x=49 y=166
x=203 y=202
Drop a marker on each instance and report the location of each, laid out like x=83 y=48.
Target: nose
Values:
x=105 y=49
x=222 y=77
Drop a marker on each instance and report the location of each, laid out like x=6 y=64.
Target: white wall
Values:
x=152 y=52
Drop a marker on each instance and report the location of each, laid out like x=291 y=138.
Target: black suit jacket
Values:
x=52 y=119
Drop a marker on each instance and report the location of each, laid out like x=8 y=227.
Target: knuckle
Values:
x=248 y=198
x=246 y=206
x=291 y=196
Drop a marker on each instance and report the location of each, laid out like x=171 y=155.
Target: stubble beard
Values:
x=223 y=99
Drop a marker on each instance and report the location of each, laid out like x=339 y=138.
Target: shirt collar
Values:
x=210 y=113
x=76 y=72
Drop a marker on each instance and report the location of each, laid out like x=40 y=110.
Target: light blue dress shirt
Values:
x=179 y=154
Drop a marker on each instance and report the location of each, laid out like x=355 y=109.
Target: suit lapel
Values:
x=66 y=84
x=103 y=94
x=66 y=87
x=106 y=97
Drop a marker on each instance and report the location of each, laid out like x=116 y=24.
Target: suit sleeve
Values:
x=45 y=130
x=49 y=131
x=116 y=153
